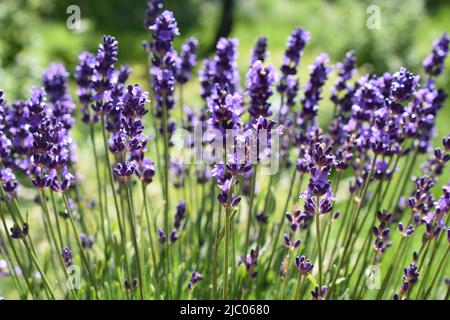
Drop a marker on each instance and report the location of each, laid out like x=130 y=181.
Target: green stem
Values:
x=353 y=225
x=80 y=246
x=250 y=207
x=228 y=212
x=133 y=226
x=114 y=193
x=281 y=222
x=99 y=190
x=318 y=240
x=436 y=273
x=298 y=286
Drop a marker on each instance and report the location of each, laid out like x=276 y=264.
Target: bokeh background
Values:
x=34 y=34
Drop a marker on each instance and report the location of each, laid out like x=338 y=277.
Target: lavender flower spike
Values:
x=434 y=63
x=259 y=82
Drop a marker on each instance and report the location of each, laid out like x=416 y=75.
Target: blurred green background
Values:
x=34 y=34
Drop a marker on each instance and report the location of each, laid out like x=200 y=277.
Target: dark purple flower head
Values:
x=382 y=232
x=86 y=241
x=195 y=279
x=162 y=236
x=225 y=110
x=164 y=31
x=259 y=83
x=313 y=88
x=186 y=60
x=406 y=232
x=180 y=214
x=446 y=143
x=225 y=197
x=403 y=84
x=259 y=52
x=319 y=293
x=124 y=170
x=55 y=82
x=434 y=63
x=295 y=45
x=146 y=170
x=18 y=232
x=8 y=180
x=381 y=170
x=107 y=56
x=410 y=277
x=133 y=102
x=304 y=266
x=224 y=70
x=154 y=8
x=320 y=161
x=346 y=69
x=67 y=256
x=251 y=262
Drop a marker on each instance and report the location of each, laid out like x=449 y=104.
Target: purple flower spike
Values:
x=259 y=82
x=260 y=50
x=187 y=60
x=434 y=63
x=295 y=44
x=67 y=256
x=154 y=8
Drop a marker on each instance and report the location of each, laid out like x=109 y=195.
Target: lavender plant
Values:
x=366 y=192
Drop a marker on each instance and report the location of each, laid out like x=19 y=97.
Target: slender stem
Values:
x=353 y=225
x=250 y=207
x=298 y=286
x=80 y=246
x=281 y=222
x=114 y=193
x=318 y=240
x=134 y=238
x=16 y=255
x=99 y=190
x=436 y=273
x=228 y=212
x=150 y=233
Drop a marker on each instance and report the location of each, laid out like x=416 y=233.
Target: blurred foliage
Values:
x=34 y=32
